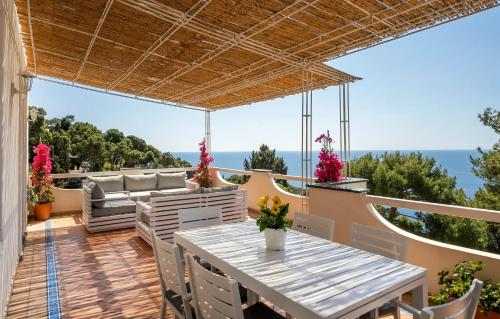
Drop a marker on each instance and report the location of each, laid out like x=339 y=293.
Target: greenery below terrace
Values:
x=82 y=145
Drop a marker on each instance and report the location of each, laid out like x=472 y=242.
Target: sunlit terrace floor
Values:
x=103 y=275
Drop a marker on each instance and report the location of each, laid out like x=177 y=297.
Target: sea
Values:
x=456 y=162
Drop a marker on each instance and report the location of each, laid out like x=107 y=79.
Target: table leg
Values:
x=419 y=296
x=252 y=297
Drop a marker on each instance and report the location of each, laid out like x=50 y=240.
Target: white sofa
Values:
x=114 y=205
x=161 y=213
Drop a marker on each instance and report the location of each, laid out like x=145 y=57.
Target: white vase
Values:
x=275 y=239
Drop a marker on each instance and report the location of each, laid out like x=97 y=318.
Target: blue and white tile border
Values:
x=53 y=302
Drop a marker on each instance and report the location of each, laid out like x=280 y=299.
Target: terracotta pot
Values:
x=488 y=315
x=42 y=211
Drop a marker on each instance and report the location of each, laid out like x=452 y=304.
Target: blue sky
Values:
x=421 y=92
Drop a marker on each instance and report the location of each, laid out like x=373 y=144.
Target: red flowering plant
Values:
x=203 y=176
x=329 y=168
x=40 y=191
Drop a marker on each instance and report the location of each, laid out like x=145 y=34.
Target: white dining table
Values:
x=311 y=278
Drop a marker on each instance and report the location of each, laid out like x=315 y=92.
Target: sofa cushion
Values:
x=115 y=207
x=170 y=181
x=146 y=217
x=108 y=183
x=172 y=192
x=137 y=183
x=142 y=196
x=97 y=193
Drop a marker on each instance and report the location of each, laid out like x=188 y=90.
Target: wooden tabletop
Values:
x=312 y=277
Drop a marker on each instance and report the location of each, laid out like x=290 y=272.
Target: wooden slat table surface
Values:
x=312 y=277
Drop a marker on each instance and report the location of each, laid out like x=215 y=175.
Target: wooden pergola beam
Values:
x=32 y=38
x=94 y=37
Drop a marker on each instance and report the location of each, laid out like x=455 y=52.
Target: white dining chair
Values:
x=314 y=225
x=218 y=297
x=171 y=270
x=461 y=308
x=379 y=242
x=199 y=217
x=383 y=243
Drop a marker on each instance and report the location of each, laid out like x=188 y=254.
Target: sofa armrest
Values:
x=192 y=185
x=119 y=192
x=141 y=206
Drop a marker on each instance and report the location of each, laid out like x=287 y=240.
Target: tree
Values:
x=264 y=158
x=412 y=176
x=113 y=136
x=138 y=143
x=168 y=160
x=61 y=145
x=87 y=145
x=487 y=167
x=77 y=144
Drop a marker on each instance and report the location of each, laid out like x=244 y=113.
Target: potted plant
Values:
x=455 y=285
x=329 y=168
x=273 y=222
x=40 y=192
x=203 y=175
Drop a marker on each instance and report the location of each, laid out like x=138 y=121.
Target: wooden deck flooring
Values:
x=104 y=275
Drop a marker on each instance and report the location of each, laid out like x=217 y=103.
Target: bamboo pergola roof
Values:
x=215 y=53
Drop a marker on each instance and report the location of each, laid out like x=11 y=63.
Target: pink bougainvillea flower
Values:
x=329 y=168
x=203 y=176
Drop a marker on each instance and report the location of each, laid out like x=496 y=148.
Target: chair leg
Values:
x=374 y=313
x=163 y=313
x=187 y=309
x=253 y=298
x=397 y=311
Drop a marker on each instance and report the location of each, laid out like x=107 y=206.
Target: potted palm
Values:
x=40 y=192
x=273 y=222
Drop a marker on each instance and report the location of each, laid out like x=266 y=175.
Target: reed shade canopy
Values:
x=215 y=53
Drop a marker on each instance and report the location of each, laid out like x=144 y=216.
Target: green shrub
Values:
x=455 y=285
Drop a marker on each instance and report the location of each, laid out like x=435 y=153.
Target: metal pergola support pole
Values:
x=208 y=133
x=345 y=129
x=306 y=139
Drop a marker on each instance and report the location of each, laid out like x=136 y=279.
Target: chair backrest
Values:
x=314 y=225
x=214 y=296
x=379 y=242
x=169 y=264
x=199 y=217
x=462 y=308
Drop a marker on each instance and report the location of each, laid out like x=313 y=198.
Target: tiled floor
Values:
x=103 y=275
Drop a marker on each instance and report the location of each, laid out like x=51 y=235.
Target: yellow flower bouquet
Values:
x=273 y=221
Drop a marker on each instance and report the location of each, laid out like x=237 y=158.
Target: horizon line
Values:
x=357 y=150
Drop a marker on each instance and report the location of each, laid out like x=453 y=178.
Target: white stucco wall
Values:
x=13 y=149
